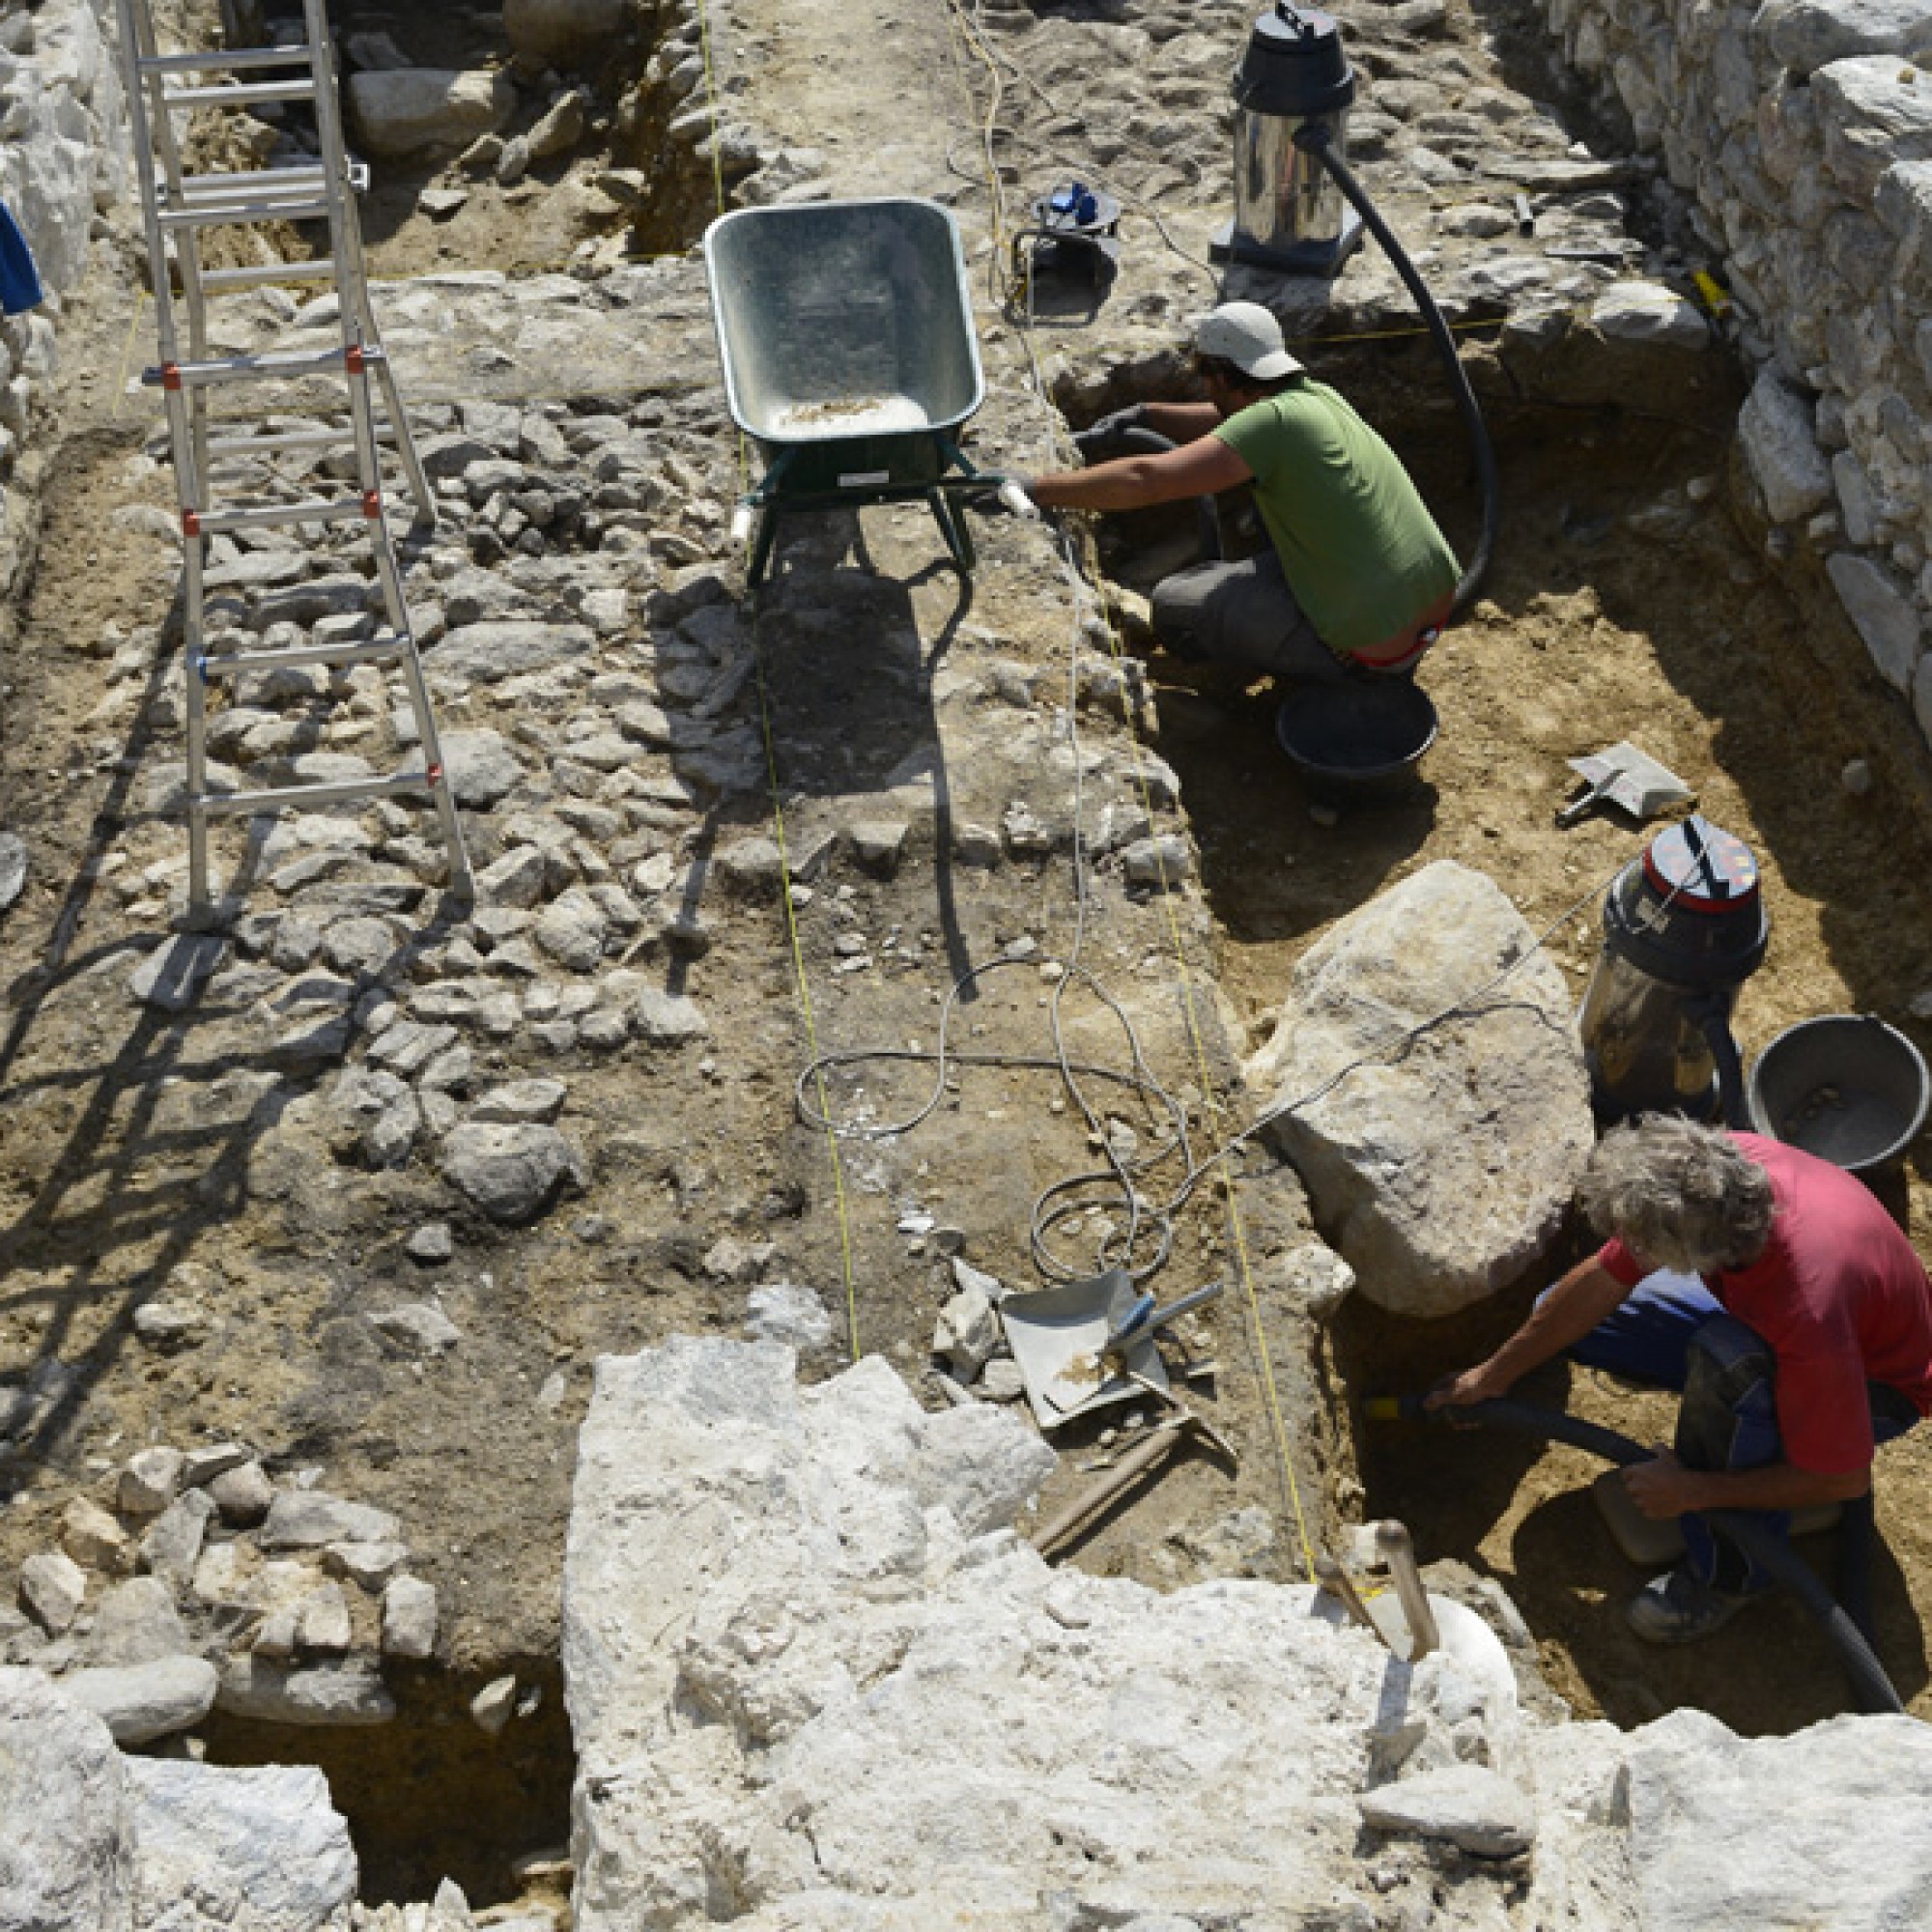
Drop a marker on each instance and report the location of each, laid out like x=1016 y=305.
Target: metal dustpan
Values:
x=1628 y=778
x=1057 y=1335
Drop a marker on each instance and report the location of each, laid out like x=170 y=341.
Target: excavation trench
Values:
x=432 y=1793
x=614 y=177
x=1627 y=600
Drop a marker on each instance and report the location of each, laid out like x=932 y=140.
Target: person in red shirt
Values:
x=1778 y=1295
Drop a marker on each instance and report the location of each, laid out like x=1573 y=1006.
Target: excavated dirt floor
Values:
x=1624 y=602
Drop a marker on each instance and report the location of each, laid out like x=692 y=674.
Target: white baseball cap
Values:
x=1247 y=336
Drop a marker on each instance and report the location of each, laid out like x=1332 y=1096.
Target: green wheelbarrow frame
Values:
x=868 y=469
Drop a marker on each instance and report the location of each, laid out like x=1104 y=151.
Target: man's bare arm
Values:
x=1200 y=469
x=1568 y=1313
x=1182 y=422
x=1665 y=1488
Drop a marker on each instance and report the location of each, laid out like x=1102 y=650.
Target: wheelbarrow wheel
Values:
x=952 y=522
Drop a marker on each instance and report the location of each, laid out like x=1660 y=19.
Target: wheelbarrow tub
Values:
x=844 y=322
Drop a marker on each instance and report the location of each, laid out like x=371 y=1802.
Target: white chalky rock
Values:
x=967 y=1333
x=667 y=1019
x=136 y=1622
x=322 y=1626
x=400 y=110
x=492 y=1706
x=351 y=1692
x=1805 y=35
x=242 y=1495
x=789 y=1312
x=417 y=1327
x=173 y=975
x=1720 y=1842
x=53 y=1586
x=1440 y=1170
x=173 y=1543
x=482 y=768
x=1648 y=313
x=261 y=1850
x=369 y=1566
x=65 y=1818
x=1780 y=445
x=148 y=1480
x=408 y=1618
x=139 y=1702
x=1464 y=1804
x=308 y=1518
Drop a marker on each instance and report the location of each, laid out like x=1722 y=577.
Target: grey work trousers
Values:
x=1242 y=614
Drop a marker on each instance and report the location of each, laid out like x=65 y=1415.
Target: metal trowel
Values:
x=1628 y=778
x=1086 y=1344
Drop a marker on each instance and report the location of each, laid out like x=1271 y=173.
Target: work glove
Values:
x=1100 y=441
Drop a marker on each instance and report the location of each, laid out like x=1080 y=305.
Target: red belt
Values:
x=1404 y=651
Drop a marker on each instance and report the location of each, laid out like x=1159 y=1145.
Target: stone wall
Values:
x=62 y=165
x=1801 y=131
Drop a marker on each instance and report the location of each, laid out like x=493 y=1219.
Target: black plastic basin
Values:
x=1358 y=739
x=1845 y=1087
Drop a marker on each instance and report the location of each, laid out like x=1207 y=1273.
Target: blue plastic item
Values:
x=19 y=280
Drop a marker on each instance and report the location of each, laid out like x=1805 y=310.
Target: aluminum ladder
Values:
x=178 y=208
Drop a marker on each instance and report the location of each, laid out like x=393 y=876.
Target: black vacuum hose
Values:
x=1208 y=513
x=1871 y=1686
x=1316 y=138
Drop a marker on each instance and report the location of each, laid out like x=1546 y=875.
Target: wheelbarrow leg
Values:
x=952 y=522
x=761 y=544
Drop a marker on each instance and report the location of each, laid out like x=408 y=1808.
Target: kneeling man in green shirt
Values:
x=1357 y=578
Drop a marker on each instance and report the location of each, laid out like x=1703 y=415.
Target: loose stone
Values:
x=408 y=1618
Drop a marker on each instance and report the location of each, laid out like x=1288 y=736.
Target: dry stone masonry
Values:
x=62 y=165
x=1800 y=135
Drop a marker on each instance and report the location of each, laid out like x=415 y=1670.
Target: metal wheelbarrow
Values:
x=845 y=332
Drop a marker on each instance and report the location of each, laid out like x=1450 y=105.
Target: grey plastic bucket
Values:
x=1845 y=1087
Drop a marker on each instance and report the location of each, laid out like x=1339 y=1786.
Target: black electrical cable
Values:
x=1316 y=138
x=1870 y=1685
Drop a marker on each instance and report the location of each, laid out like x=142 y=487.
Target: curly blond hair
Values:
x=1685 y=1196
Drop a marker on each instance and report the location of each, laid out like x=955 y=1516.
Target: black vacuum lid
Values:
x=1294 y=66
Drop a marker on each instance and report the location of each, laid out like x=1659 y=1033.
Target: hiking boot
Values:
x=1679 y=1608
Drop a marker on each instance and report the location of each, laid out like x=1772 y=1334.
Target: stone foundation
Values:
x=1802 y=131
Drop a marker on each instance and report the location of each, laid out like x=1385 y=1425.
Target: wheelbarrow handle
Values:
x=1017 y=500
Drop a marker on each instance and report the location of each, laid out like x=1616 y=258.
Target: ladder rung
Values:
x=214 y=214
x=303 y=179
x=230 y=447
x=279 y=367
x=321 y=270
x=309 y=175
x=391 y=645
x=232 y=60
x=228 y=95
x=305 y=796
x=312 y=511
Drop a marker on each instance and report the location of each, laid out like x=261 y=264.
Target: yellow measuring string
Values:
x=840 y=1197
x=1277 y=1422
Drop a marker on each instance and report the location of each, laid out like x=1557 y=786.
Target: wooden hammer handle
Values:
x=1159 y=1444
